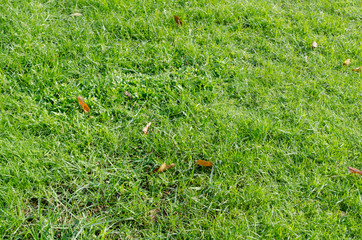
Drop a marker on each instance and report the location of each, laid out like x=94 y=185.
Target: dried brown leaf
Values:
x=347 y=62
x=83 y=104
x=170 y=166
x=128 y=95
x=76 y=14
x=164 y=167
x=204 y=163
x=178 y=20
x=161 y=168
x=145 y=129
x=354 y=170
x=342 y=213
x=314 y=44
x=357 y=69
x=154 y=214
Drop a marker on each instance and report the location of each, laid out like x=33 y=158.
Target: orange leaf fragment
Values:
x=357 y=69
x=164 y=167
x=145 y=129
x=314 y=44
x=347 y=62
x=204 y=163
x=83 y=104
x=354 y=170
x=178 y=20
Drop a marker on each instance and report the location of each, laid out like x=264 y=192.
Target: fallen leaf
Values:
x=83 y=104
x=128 y=95
x=342 y=213
x=145 y=129
x=178 y=20
x=347 y=62
x=161 y=168
x=357 y=69
x=354 y=170
x=314 y=44
x=204 y=163
x=164 y=167
x=154 y=214
x=76 y=14
x=170 y=166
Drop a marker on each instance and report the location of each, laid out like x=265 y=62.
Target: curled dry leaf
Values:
x=178 y=20
x=357 y=69
x=76 y=14
x=354 y=170
x=170 y=166
x=204 y=163
x=161 y=168
x=83 y=104
x=347 y=62
x=164 y=167
x=128 y=95
x=145 y=129
x=314 y=44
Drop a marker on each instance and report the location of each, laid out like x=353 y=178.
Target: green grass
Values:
x=238 y=85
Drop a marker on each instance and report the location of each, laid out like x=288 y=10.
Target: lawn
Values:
x=238 y=84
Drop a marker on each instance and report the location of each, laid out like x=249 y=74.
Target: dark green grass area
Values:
x=238 y=85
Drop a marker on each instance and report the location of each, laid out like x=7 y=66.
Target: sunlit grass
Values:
x=238 y=85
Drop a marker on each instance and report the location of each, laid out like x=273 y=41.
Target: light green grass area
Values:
x=238 y=85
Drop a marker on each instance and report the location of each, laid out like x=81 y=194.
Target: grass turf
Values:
x=238 y=85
